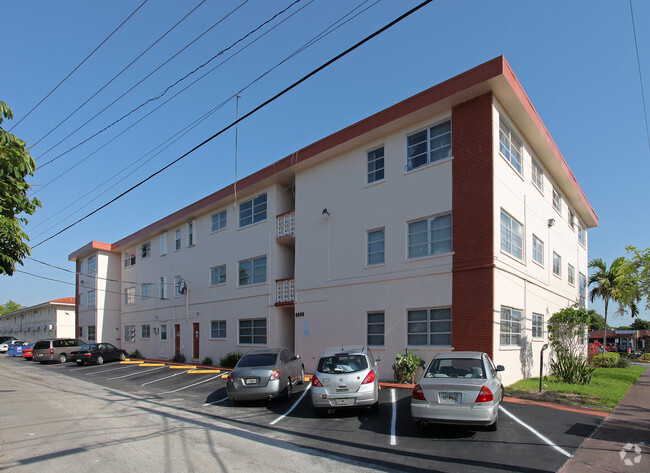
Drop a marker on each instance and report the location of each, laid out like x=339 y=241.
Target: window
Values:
x=376 y=165
x=163 y=244
x=252 y=211
x=81 y=332
x=81 y=300
x=218 y=329
x=252 y=332
x=177 y=240
x=162 y=287
x=91 y=298
x=538 y=176
x=129 y=258
x=538 y=326
x=510 y=327
x=92 y=263
x=145 y=249
x=218 y=275
x=91 y=333
x=582 y=289
x=179 y=285
x=163 y=332
x=218 y=221
x=376 y=329
x=129 y=333
x=146 y=331
x=190 y=233
x=429 y=327
x=571 y=219
x=582 y=234
x=538 y=250
x=557 y=264
x=252 y=271
x=510 y=145
x=557 y=200
x=511 y=236
x=571 y=275
x=129 y=295
x=428 y=146
x=430 y=236
x=146 y=291
x=376 y=245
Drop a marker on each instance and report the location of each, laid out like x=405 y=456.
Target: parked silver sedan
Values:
x=458 y=388
x=265 y=374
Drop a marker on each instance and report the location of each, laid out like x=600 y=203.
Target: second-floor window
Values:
x=376 y=244
x=129 y=258
x=376 y=165
x=571 y=275
x=252 y=211
x=129 y=295
x=218 y=275
x=557 y=264
x=91 y=298
x=252 y=271
x=511 y=236
x=538 y=250
x=430 y=236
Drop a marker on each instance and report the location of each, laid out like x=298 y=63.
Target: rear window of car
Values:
x=88 y=347
x=455 y=368
x=41 y=344
x=342 y=364
x=248 y=361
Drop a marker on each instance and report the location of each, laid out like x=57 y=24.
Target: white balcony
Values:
x=286 y=224
x=285 y=291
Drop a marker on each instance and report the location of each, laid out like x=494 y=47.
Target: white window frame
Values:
x=220 y=327
x=511 y=327
x=538 y=325
x=582 y=290
x=538 y=250
x=129 y=258
x=163 y=332
x=557 y=200
x=91 y=298
x=145 y=331
x=376 y=247
x=510 y=146
x=376 y=165
x=92 y=333
x=253 y=210
x=220 y=273
x=416 y=237
x=178 y=280
x=163 y=244
x=440 y=316
x=92 y=263
x=218 y=221
x=571 y=274
x=178 y=243
x=191 y=233
x=538 y=176
x=557 y=265
x=436 y=145
x=146 y=290
x=255 y=332
x=255 y=265
x=376 y=328
x=582 y=234
x=511 y=227
x=129 y=333
x=129 y=295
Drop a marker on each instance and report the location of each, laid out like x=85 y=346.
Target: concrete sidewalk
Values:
x=622 y=442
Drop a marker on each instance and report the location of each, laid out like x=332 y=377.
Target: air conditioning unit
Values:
x=50 y=327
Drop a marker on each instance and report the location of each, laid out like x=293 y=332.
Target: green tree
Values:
x=9 y=306
x=15 y=164
x=596 y=321
x=612 y=284
x=637 y=269
x=567 y=330
x=640 y=324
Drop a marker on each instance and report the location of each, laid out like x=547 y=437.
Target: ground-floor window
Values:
x=146 y=331
x=538 y=325
x=91 y=333
x=252 y=332
x=129 y=333
x=163 y=332
x=218 y=329
x=376 y=329
x=510 y=327
x=429 y=326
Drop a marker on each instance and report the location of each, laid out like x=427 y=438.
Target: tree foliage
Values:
x=637 y=269
x=9 y=306
x=596 y=321
x=15 y=165
x=640 y=324
x=567 y=332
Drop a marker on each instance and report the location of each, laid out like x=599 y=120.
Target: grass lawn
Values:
x=607 y=388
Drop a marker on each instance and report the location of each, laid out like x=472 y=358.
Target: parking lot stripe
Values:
x=102 y=370
x=129 y=362
x=190 y=385
x=133 y=374
x=393 y=421
x=160 y=379
x=559 y=449
x=215 y=402
x=292 y=407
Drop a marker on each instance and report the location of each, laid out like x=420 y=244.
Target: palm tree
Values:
x=610 y=284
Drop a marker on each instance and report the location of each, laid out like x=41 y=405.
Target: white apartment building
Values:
x=449 y=221
x=52 y=319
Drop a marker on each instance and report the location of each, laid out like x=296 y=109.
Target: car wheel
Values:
x=62 y=358
x=100 y=360
x=122 y=357
x=287 y=391
x=80 y=363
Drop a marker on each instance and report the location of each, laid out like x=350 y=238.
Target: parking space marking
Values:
x=393 y=421
x=133 y=374
x=292 y=407
x=559 y=449
x=190 y=385
x=160 y=379
x=101 y=371
x=215 y=402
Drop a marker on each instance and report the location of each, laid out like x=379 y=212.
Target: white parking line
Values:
x=559 y=449
x=393 y=421
x=166 y=377
x=189 y=386
x=137 y=372
x=215 y=402
x=292 y=407
x=102 y=371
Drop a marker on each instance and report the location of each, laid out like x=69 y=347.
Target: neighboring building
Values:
x=449 y=221
x=51 y=319
x=624 y=339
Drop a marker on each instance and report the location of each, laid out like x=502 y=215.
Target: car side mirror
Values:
x=501 y=368
x=296 y=357
x=378 y=358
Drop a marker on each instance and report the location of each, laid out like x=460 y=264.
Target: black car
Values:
x=97 y=353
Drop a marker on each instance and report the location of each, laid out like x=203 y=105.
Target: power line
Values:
x=638 y=63
x=80 y=64
x=255 y=110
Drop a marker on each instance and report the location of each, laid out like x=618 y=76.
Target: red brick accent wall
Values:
x=473 y=232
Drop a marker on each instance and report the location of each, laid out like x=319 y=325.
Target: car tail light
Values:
x=88 y=354
x=51 y=351
x=417 y=393
x=485 y=395
x=370 y=378
x=275 y=374
x=315 y=382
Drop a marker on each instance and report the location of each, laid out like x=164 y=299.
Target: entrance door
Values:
x=195 y=353
x=177 y=339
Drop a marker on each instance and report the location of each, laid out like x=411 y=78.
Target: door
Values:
x=195 y=353
x=177 y=339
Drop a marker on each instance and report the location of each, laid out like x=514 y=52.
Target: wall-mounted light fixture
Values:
x=551 y=222
x=326 y=213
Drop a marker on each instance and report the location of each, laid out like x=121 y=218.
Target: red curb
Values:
x=560 y=407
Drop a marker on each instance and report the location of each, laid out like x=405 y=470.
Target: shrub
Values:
x=207 y=361
x=405 y=367
x=605 y=360
x=623 y=363
x=230 y=360
x=593 y=349
x=572 y=369
x=136 y=354
x=645 y=357
x=179 y=358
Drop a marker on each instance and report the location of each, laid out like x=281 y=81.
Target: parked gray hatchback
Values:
x=55 y=349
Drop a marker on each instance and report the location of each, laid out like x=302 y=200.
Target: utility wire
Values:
x=638 y=63
x=80 y=64
x=255 y=110
x=108 y=83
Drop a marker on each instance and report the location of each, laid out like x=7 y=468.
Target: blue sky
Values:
x=576 y=61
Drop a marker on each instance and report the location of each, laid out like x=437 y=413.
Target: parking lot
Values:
x=530 y=438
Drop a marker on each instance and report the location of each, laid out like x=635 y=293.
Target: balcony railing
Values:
x=285 y=290
x=286 y=224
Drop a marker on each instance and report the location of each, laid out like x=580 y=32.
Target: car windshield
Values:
x=88 y=347
x=342 y=364
x=266 y=359
x=455 y=368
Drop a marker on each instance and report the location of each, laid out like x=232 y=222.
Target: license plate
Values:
x=40 y=354
x=450 y=398
x=248 y=381
x=342 y=402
